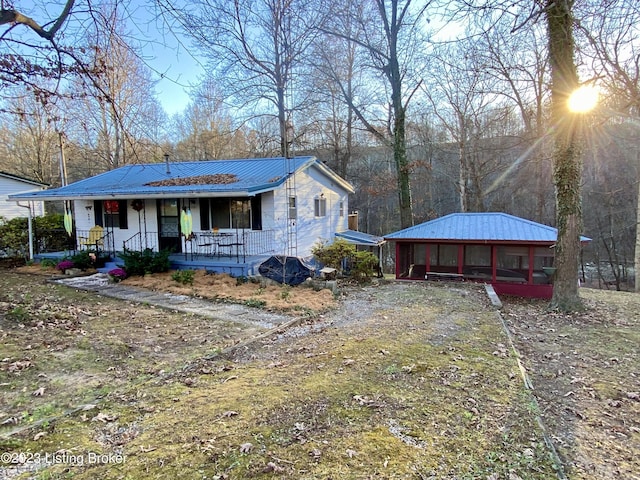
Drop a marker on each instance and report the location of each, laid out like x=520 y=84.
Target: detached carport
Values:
x=513 y=254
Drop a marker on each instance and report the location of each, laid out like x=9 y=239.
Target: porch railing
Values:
x=53 y=240
x=258 y=242
x=240 y=243
x=106 y=243
x=141 y=241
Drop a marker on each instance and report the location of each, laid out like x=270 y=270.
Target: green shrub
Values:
x=83 y=260
x=48 y=263
x=332 y=255
x=185 y=277
x=14 y=234
x=14 y=237
x=362 y=264
x=145 y=262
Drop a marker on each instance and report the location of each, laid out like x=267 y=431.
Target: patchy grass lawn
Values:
x=397 y=381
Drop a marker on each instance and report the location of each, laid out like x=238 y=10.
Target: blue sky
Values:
x=169 y=55
x=175 y=69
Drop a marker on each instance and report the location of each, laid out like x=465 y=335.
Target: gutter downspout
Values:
x=30 y=223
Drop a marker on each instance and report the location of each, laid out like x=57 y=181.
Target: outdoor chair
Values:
x=95 y=238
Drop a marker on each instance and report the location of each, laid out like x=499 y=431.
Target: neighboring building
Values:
x=12 y=184
x=237 y=207
x=513 y=254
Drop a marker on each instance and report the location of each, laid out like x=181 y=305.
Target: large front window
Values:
x=221 y=213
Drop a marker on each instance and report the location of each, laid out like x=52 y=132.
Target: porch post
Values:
x=531 y=259
x=397 y=259
x=494 y=263
x=427 y=260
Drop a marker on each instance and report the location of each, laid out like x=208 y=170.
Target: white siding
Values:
x=310 y=229
x=9 y=209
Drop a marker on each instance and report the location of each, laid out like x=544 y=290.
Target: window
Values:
x=320 y=207
x=341 y=209
x=220 y=215
x=240 y=214
x=227 y=213
x=293 y=210
x=111 y=213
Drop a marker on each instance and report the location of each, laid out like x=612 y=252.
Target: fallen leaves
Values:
x=104 y=418
x=365 y=401
x=39 y=392
x=19 y=365
x=246 y=447
x=215 y=179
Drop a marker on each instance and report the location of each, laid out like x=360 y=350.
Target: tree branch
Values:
x=15 y=17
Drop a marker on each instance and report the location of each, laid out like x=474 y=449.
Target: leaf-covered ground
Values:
x=585 y=369
x=398 y=381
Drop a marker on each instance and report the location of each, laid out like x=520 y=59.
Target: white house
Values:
x=12 y=184
x=239 y=207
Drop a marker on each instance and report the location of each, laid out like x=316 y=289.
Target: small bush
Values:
x=255 y=303
x=365 y=265
x=14 y=237
x=48 y=263
x=362 y=264
x=145 y=262
x=64 y=265
x=117 y=274
x=83 y=260
x=333 y=255
x=185 y=277
x=285 y=293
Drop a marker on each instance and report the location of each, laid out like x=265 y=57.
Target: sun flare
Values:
x=583 y=100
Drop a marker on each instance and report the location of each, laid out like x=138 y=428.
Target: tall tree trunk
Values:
x=399 y=134
x=567 y=168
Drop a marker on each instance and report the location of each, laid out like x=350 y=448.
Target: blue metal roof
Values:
x=252 y=176
x=360 y=238
x=481 y=227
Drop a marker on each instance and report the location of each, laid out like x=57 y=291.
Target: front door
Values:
x=169 y=225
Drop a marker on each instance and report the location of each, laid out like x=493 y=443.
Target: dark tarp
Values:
x=295 y=270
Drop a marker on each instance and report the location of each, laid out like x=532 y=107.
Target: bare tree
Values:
x=115 y=112
x=206 y=127
x=519 y=63
x=462 y=98
x=611 y=48
x=29 y=139
x=46 y=43
x=254 y=47
x=391 y=32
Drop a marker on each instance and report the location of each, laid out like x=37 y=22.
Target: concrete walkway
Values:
x=100 y=284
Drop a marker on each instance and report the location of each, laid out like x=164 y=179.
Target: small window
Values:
x=320 y=207
x=293 y=210
x=341 y=209
x=115 y=213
